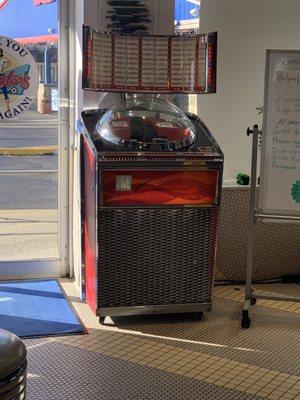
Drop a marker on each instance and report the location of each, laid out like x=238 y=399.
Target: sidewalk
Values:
x=34 y=118
x=28 y=151
x=32 y=114
x=28 y=234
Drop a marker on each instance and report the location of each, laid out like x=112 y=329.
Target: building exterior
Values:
x=40 y=37
x=187 y=14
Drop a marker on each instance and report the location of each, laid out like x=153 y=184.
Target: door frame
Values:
x=57 y=267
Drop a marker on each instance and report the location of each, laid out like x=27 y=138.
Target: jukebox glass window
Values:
x=148 y=123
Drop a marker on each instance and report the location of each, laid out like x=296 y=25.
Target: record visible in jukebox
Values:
x=157 y=196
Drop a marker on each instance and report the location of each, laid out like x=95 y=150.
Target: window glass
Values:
x=29 y=143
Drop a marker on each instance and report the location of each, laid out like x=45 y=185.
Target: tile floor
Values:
x=174 y=357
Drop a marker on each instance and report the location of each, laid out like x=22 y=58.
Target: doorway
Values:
x=34 y=150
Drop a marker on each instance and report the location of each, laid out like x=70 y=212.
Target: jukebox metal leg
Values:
x=199 y=316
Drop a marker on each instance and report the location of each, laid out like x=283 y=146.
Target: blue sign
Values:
x=185 y=9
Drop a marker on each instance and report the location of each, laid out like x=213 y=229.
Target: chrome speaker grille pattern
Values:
x=156 y=256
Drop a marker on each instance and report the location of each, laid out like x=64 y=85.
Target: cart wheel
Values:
x=101 y=320
x=253 y=302
x=246 y=320
x=199 y=315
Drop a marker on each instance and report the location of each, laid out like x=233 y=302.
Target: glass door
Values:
x=34 y=147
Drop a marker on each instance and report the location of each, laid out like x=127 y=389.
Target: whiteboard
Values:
x=280 y=164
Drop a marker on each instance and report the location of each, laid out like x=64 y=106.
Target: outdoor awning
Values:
x=3 y=4
x=38 y=39
x=41 y=2
x=37 y=20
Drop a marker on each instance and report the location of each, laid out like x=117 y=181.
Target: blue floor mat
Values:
x=36 y=308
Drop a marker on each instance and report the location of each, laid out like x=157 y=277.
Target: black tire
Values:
x=101 y=320
x=246 y=322
x=253 y=302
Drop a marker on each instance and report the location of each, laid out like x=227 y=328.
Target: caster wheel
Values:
x=246 y=320
x=253 y=302
x=101 y=320
x=199 y=316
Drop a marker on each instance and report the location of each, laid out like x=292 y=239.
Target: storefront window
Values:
x=29 y=148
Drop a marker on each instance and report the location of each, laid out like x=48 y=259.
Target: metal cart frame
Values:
x=255 y=215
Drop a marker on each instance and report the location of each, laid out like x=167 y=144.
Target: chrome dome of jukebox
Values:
x=147 y=123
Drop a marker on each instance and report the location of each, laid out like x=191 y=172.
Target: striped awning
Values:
x=27 y=21
x=3 y=3
x=42 y=2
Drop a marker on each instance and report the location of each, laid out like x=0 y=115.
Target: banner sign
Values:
x=19 y=79
x=152 y=63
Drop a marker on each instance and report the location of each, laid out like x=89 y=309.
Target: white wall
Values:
x=247 y=28
x=164 y=11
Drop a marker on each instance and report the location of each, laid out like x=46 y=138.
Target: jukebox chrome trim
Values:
x=157 y=309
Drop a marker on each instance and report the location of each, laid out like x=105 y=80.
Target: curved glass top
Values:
x=147 y=123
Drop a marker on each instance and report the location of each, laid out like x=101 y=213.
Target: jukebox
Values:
x=152 y=182
x=151 y=176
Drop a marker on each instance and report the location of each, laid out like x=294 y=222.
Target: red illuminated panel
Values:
x=89 y=221
x=176 y=188
x=90 y=270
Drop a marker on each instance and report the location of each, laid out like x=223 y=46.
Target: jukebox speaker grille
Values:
x=156 y=256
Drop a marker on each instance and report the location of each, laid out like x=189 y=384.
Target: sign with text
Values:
x=19 y=79
x=280 y=175
x=152 y=64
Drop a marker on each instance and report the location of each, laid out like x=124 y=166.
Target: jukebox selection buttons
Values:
x=152 y=63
